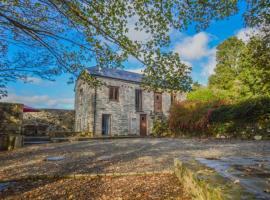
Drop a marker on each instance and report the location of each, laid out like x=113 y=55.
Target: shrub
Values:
x=248 y=111
x=201 y=94
x=191 y=117
x=160 y=128
x=207 y=94
x=244 y=119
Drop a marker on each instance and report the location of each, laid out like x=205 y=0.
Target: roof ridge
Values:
x=96 y=67
x=115 y=73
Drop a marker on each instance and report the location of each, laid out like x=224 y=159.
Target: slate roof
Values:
x=115 y=74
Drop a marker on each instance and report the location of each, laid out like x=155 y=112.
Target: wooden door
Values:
x=143 y=125
x=157 y=102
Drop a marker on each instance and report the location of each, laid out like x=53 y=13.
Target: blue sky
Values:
x=196 y=49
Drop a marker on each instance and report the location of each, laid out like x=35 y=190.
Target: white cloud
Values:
x=195 y=51
x=136 y=35
x=209 y=67
x=245 y=33
x=194 y=47
x=187 y=63
x=139 y=70
x=40 y=101
x=32 y=80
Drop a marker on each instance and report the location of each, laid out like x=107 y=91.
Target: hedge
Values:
x=244 y=119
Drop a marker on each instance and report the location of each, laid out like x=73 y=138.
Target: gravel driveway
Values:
x=120 y=155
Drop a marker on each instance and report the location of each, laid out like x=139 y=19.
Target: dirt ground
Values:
x=120 y=155
x=128 y=155
x=105 y=188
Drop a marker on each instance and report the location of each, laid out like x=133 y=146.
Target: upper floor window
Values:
x=157 y=102
x=173 y=98
x=114 y=93
x=80 y=96
x=138 y=100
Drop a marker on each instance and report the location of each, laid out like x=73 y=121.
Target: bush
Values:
x=246 y=111
x=160 y=128
x=244 y=119
x=206 y=94
x=191 y=117
x=201 y=94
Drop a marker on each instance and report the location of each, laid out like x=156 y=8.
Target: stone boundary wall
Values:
x=11 y=117
x=204 y=183
x=48 y=121
x=10 y=141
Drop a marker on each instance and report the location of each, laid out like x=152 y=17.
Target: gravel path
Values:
x=120 y=155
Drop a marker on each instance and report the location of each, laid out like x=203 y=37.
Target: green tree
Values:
x=255 y=67
x=227 y=68
x=242 y=70
x=196 y=85
x=201 y=94
x=49 y=37
x=226 y=76
x=207 y=94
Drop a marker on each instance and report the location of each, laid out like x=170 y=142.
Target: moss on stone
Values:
x=10 y=141
x=203 y=183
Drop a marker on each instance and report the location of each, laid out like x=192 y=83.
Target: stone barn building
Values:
x=120 y=106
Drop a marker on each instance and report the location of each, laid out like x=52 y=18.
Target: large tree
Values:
x=255 y=67
x=242 y=70
x=49 y=37
x=227 y=68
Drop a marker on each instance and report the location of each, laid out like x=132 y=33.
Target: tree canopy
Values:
x=48 y=37
x=227 y=68
x=242 y=70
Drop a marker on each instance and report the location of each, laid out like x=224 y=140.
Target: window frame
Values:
x=158 y=94
x=173 y=98
x=114 y=90
x=138 y=100
x=80 y=98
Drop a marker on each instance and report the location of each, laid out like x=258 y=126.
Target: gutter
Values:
x=95 y=111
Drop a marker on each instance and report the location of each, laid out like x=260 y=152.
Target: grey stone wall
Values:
x=11 y=116
x=124 y=118
x=84 y=113
x=47 y=121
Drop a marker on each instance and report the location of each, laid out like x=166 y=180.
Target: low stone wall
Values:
x=201 y=182
x=48 y=121
x=69 y=134
x=10 y=141
x=11 y=117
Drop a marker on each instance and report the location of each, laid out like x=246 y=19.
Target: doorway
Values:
x=106 y=124
x=143 y=125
